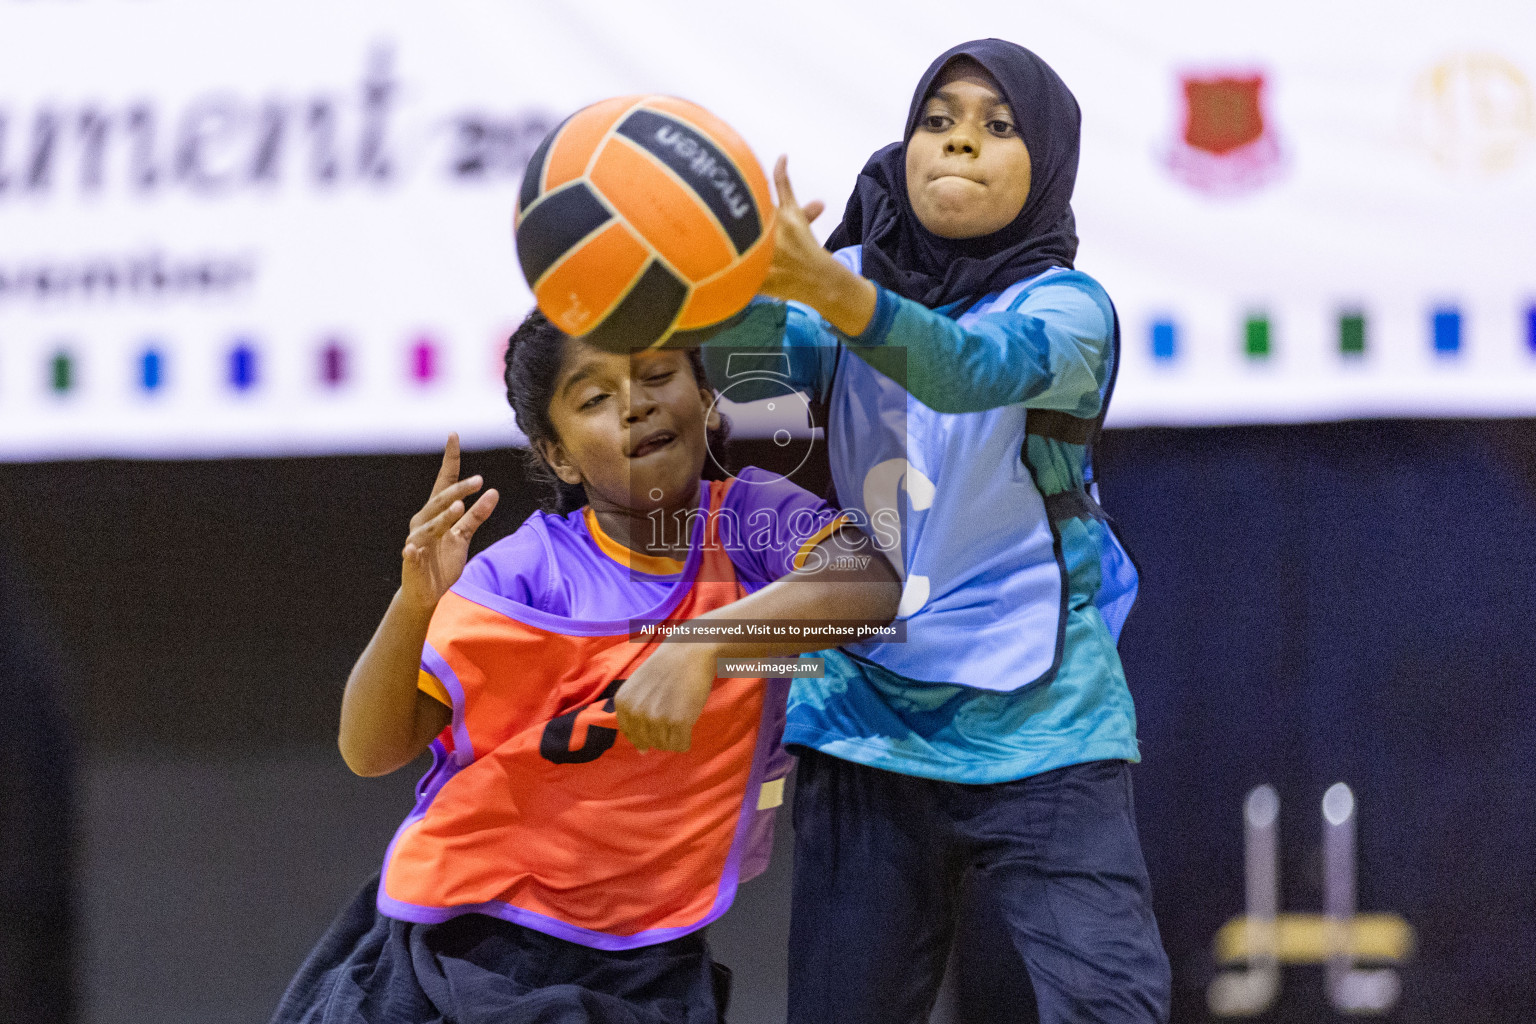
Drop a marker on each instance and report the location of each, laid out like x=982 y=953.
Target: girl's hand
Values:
x=658 y=704
x=798 y=259
x=438 y=545
x=803 y=271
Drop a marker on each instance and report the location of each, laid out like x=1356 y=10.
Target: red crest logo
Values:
x=1227 y=146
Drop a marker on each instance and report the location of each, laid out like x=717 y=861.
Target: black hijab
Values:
x=910 y=260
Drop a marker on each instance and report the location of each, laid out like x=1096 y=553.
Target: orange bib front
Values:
x=538 y=810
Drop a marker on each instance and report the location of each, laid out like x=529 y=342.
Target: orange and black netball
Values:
x=643 y=222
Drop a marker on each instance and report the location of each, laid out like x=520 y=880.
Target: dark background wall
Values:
x=1350 y=602
x=1356 y=603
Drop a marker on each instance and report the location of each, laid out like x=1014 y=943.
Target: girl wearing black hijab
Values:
x=964 y=367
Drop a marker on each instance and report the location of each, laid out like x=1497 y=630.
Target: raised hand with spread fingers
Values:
x=803 y=271
x=438 y=544
x=386 y=721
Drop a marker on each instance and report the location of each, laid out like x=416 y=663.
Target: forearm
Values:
x=946 y=367
x=846 y=300
x=857 y=604
x=866 y=596
x=380 y=727
x=660 y=701
x=1049 y=358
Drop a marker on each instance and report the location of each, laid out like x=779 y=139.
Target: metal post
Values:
x=1350 y=989
x=1249 y=992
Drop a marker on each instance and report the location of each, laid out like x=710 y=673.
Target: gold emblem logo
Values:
x=1474 y=112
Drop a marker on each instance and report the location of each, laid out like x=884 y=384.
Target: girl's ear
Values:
x=558 y=461
x=712 y=420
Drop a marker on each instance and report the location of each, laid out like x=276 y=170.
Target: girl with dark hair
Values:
x=964 y=368
x=533 y=358
x=553 y=870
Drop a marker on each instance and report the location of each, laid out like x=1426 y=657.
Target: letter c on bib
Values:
x=555 y=743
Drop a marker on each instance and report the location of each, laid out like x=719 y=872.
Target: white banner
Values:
x=282 y=227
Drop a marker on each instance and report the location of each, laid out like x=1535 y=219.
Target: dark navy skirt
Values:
x=475 y=969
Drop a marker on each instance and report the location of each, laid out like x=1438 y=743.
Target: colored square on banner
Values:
x=61 y=372
x=151 y=369
x=1530 y=327
x=242 y=367
x=333 y=364
x=1256 y=337
x=424 y=361
x=1352 y=334
x=1445 y=327
x=1165 y=340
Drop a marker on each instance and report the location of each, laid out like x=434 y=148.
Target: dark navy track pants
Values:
x=1048 y=869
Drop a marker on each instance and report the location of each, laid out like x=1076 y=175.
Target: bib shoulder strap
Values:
x=1059 y=426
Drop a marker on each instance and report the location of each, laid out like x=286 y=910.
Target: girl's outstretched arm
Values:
x=386 y=722
x=659 y=703
x=1052 y=349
